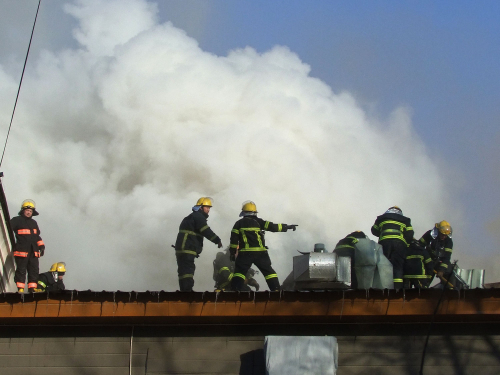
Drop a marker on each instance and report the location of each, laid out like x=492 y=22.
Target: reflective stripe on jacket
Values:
x=192 y=230
x=27 y=236
x=439 y=250
x=393 y=226
x=248 y=233
x=418 y=263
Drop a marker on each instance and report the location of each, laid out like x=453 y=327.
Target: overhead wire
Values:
x=20 y=82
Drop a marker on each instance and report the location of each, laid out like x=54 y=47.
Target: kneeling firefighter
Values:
x=224 y=271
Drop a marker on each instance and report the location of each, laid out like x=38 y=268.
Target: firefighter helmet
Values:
x=249 y=206
x=59 y=267
x=444 y=227
x=204 y=201
x=28 y=203
x=394 y=210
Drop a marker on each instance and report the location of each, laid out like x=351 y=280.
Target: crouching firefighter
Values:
x=247 y=236
x=29 y=246
x=417 y=267
x=189 y=243
x=52 y=281
x=345 y=247
x=440 y=246
x=224 y=271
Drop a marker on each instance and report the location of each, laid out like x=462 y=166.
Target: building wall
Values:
x=7 y=265
x=241 y=355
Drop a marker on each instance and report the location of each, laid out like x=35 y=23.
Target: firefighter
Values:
x=348 y=242
x=247 y=235
x=52 y=281
x=224 y=270
x=440 y=246
x=345 y=247
x=28 y=248
x=395 y=233
x=418 y=266
x=189 y=243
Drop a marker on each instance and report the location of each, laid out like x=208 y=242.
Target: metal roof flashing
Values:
x=351 y=306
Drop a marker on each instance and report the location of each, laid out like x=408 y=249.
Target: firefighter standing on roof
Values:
x=28 y=247
x=440 y=246
x=395 y=233
x=248 y=237
x=189 y=243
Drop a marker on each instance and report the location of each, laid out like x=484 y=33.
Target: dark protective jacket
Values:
x=223 y=272
x=27 y=236
x=47 y=283
x=439 y=250
x=248 y=233
x=393 y=226
x=191 y=232
x=418 y=263
x=346 y=245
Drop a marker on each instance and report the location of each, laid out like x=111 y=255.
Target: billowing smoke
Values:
x=116 y=140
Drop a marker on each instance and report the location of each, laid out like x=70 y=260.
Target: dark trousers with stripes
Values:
x=185 y=270
x=25 y=265
x=261 y=259
x=395 y=251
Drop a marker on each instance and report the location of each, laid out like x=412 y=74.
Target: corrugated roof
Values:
x=356 y=306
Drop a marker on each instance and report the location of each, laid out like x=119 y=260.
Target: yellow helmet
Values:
x=249 y=206
x=59 y=267
x=204 y=201
x=444 y=227
x=28 y=203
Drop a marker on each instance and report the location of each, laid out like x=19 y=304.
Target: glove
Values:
x=292 y=226
x=254 y=283
x=232 y=254
x=219 y=245
x=42 y=250
x=440 y=274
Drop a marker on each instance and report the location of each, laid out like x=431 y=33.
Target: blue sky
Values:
x=440 y=58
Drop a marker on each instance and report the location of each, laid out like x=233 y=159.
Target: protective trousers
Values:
x=447 y=274
x=261 y=259
x=185 y=270
x=27 y=264
x=395 y=251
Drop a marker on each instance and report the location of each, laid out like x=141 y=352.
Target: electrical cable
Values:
x=20 y=83
x=421 y=372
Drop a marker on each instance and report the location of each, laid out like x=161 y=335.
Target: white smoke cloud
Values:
x=116 y=141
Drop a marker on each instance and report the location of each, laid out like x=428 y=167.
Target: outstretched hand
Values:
x=219 y=245
x=293 y=226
